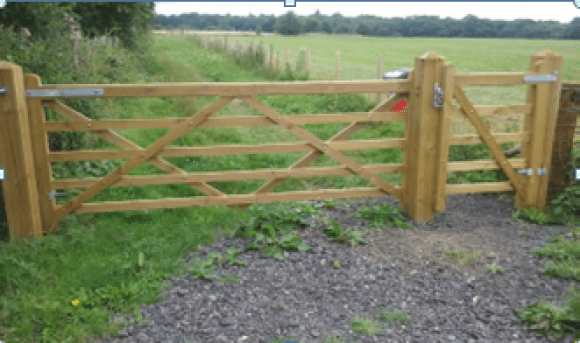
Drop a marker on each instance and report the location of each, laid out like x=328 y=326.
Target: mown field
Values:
x=65 y=287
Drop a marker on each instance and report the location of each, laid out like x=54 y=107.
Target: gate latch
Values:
x=53 y=194
x=438 y=95
x=529 y=172
x=547 y=78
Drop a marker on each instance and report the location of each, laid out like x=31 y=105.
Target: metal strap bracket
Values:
x=53 y=194
x=64 y=93
x=3 y=90
x=438 y=95
x=547 y=78
x=529 y=172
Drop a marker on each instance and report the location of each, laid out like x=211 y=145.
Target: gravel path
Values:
x=307 y=297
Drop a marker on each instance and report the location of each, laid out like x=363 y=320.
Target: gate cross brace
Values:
x=154 y=149
x=486 y=137
x=314 y=155
x=320 y=145
x=126 y=144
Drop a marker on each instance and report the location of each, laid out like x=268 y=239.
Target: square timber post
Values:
x=19 y=187
x=422 y=172
x=539 y=127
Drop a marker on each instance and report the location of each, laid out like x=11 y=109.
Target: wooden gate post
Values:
x=19 y=186
x=540 y=125
x=39 y=138
x=421 y=161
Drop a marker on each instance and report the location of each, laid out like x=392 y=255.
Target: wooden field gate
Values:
x=29 y=188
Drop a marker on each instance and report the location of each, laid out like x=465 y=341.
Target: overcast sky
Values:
x=560 y=11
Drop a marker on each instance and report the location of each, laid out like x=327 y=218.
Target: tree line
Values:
x=368 y=25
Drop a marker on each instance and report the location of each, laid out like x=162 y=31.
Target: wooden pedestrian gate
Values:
x=29 y=188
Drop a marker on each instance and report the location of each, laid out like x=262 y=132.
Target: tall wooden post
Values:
x=308 y=61
x=19 y=186
x=379 y=76
x=37 y=121
x=337 y=66
x=271 y=56
x=421 y=159
x=540 y=125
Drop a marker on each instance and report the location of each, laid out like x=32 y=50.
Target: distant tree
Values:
x=289 y=24
x=326 y=27
x=268 y=25
x=342 y=28
x=573 y=30
x=312 y=25
x=363 y=29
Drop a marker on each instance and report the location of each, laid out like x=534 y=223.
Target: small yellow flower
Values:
x=75 y=302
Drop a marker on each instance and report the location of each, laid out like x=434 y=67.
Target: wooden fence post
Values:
x=379 y=76
x=39 y=137
x=19 y=186
x=337 y=66
x=563 y=140
x=421 y=161
x=271 y=56
x=540 y=126
x=308 y=61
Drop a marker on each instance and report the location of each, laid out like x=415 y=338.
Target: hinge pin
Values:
x=3 y=90
x=53 y=194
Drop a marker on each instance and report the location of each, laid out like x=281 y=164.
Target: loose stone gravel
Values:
x=402 y=270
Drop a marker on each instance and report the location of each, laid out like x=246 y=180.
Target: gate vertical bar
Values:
x=539 y=125
x=554 y=62
x=37 y=121
x=445 y=122
x=420 y=155
x=19 y=186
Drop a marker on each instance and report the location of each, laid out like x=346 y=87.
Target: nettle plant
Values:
x=383 y=215
x=262 y=223
x=204 y=269
x=335 y=232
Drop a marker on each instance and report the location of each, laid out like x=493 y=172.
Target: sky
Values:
x=562 y=11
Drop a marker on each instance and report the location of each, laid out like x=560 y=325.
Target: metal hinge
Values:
x=3 y=90
x=53 y=194
x=528 y=171
x=438 y=95
x=64 y=93
x=547 y=78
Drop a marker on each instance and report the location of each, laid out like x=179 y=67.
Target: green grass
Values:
x=66 y=287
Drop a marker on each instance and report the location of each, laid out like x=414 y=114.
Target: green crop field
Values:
x=359 y=55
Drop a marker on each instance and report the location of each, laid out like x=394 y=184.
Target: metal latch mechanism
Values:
x=547 y=78
x=53 y=194
x=529 y=171
x=438 y=95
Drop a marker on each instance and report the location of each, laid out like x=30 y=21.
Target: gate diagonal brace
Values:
x=321 y=146
x=126 y=144
x=342 y=135
x=486 y=137
x=154 y=149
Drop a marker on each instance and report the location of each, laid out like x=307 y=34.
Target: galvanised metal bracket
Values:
x=53 y=194
x=3 y=90
x=438 y=95
x=529 y=172
x=64 y=93
x=548 y=78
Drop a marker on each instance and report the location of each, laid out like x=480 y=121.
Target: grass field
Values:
x=359 y=55
x=46 y=295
